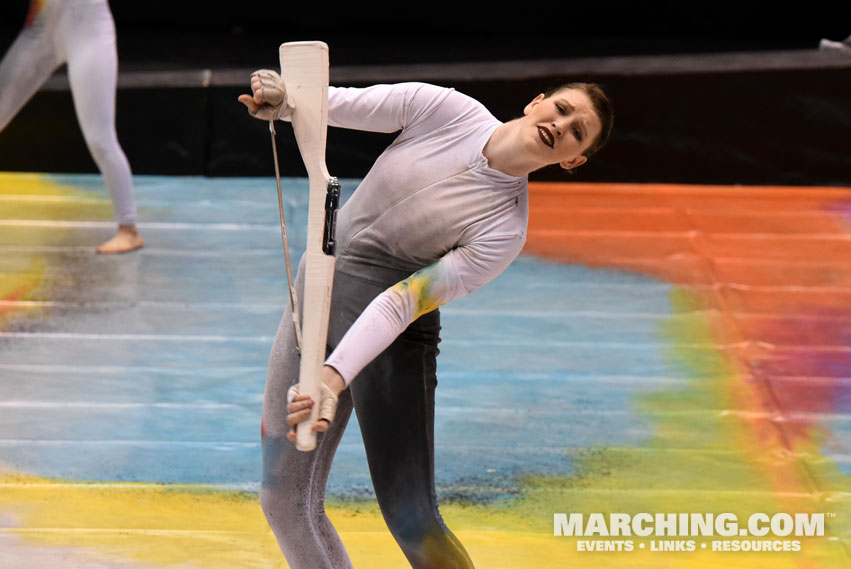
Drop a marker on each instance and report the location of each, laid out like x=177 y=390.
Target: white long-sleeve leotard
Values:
x=430 y=208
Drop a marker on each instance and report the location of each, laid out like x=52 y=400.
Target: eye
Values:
x=564 y=107
x=577 y=134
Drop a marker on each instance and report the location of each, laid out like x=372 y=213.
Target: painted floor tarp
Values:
x=675 y=356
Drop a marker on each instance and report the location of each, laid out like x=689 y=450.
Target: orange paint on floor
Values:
x=770 y=267
x=15 y=294
x=16 y=287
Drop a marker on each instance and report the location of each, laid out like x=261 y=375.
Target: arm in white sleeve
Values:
x=383 y=108
x=459 y=272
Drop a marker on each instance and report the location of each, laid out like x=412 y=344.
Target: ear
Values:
x=574 y=162
x=533 y=104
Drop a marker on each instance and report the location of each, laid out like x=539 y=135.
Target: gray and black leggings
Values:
x=394 y=400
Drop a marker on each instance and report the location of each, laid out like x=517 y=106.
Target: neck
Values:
x=502 y=154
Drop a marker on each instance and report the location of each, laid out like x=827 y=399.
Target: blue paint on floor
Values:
x=150 y=366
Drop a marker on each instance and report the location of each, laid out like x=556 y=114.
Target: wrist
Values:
x=332 y=378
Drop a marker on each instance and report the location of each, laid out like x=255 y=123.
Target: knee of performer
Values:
x=414 y=531
x=273 y=500
x=283 y=490
x=102 y=146
x=285 y=517
x=428 y=544
x=437 y=548
x=281 y=503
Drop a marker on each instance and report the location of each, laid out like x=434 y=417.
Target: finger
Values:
x=291 y=435
x=321 y=426
x=248 y=101
x=299 y=417
x=300 y=405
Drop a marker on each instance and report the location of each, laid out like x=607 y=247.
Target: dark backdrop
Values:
x=208 y=33
x=682 y=116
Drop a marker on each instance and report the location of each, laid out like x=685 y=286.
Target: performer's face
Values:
x=561 y=127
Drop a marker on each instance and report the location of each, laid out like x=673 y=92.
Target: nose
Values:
x=558 y=128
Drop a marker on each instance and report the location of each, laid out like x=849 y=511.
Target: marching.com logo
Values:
x=768 y=528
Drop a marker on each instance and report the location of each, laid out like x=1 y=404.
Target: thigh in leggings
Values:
x=292 y=491
x=30 y=61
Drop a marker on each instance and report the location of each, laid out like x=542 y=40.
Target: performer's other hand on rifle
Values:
x=268 y=100
x=300 y=404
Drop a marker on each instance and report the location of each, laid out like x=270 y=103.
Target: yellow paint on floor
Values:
x=37 y=197
x=17 y=282
x=201 y=527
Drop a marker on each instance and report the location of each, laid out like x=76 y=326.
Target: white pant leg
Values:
x=87 y=33
x=29 y=62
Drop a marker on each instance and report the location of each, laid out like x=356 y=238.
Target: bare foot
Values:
x=127 y=239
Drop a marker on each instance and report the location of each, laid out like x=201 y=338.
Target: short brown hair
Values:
x=602 y=106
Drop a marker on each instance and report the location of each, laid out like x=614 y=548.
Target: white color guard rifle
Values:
x=304 y=69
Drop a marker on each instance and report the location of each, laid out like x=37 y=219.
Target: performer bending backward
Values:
x=80 y=33
x=442 y=211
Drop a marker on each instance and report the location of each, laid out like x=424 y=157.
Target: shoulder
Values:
x=436 y=107
x=411 y=95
